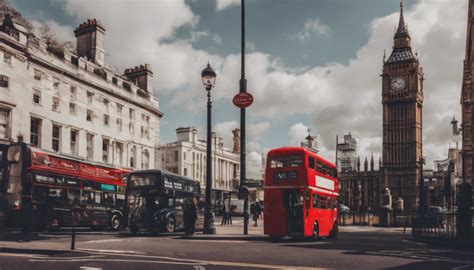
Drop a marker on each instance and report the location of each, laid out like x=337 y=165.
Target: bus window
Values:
x=179 y=203
x=120 y=199
x=108 y=198
x=40 y=193
x=287 y=161
x=323 y=202
x=73 y=196
x=311 y=164
x=315 y=201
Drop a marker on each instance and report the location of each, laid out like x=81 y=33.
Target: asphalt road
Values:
x=356 y=248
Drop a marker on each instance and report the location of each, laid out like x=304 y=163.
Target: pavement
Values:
x=356 y=248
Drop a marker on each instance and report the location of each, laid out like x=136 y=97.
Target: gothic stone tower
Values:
x=402 y=99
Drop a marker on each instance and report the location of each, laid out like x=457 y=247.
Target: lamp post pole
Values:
x=243 y=88
x=209 y=79
x=422 y=206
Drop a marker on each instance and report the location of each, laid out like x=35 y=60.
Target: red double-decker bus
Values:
x=41 y=188
x=301 y=194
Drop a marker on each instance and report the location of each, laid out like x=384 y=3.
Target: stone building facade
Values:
x=187 y=156
x=467 y=97
x=71 y=102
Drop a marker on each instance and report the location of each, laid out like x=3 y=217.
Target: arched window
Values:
x=133 y=157
x=145 y=159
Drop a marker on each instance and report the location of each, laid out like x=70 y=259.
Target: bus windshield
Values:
x=286 y=161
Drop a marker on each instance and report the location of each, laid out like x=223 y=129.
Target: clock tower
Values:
x=402 y=99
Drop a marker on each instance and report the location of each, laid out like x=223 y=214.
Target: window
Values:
x=3 y=81
x=106 y=103
x=73 y=91
x=89 y=115
x=56 y=83
x=145 y=159
x=288 y=161
x=36 y=97
x=90 y=98
x=90 y=145
x=114 y=80
x=55 y=104
x=176 y=156
x=7 y=57
x=127 y=86
x=119 y=153
x=74 y=141
x=106 y=120
x=56 y=137
x=35 y=131
x=72 y=108
x=119 y=124
x=131 y=114
x=311 y=163
x=185 y=172
x=4 y=123
x=38 y=75
x=133 y=157
x=105 y=150
x=119 y=109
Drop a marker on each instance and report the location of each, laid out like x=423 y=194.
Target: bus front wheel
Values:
x=116 y=222
x=315 y=232
x=170 y=224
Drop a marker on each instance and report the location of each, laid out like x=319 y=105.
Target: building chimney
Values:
x=90 y=41
x=142 y=76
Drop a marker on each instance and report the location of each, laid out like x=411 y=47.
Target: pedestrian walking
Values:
x=228 y=213
x=224 y=215
x=190 y=216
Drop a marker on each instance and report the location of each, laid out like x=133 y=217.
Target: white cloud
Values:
x=313 y=27
x=223 y=4
x=297 y=134
x=62 y=33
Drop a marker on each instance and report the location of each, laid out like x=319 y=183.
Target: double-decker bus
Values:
x=301 y=194
x=41 y=188
x=156 y=199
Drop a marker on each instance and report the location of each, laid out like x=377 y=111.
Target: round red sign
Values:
x=243 y=100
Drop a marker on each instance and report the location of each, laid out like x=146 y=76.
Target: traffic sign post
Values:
x=243 y=100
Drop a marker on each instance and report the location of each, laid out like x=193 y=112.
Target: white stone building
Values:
x=70 y=102
x=187 y=156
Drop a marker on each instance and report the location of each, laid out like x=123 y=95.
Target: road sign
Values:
x=243 y=100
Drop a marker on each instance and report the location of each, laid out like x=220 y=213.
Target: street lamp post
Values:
x=243 y=89
x=422 y=206
x=208 y=79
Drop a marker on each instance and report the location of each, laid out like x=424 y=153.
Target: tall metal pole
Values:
x=243 y=88
x=422 y=206
x=209 y=216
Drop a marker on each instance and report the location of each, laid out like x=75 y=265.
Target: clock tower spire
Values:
x=402 y=99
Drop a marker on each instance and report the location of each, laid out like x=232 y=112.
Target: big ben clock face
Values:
x=398 y=83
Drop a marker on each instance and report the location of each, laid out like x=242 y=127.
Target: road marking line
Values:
x=205 y=262
x=461 y=267
x=111 y=251
x=105 y=241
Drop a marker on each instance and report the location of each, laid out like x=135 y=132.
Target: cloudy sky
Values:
x=310 y=63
